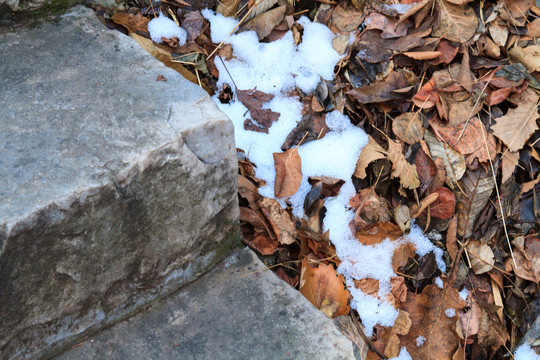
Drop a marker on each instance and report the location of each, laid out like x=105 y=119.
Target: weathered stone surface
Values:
x=115 y=189
x=240 y=310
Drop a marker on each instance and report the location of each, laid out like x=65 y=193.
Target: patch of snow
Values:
x=163 y=27
x=525 y=352
x=399 y=8
x=464 y=293
x=420 y=341
x=450 y=312
x=276 y=68
x=439 y=282
x=403 y=355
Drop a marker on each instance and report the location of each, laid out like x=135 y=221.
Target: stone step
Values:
x=239 y=310
x=115 y=189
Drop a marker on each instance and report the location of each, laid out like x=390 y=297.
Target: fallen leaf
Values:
x=135 y=23
x=481 y=257
x=469 y=319
x=492 y=334
x=454 y=162
x=324 y=288
x=377 y=232
x=471 y=141
x=369 y=208
x=451 y=238
x=371 y=152
x=422 y=55
x=264 y=23
x=527 y=255
x=311 y=127
x=476 y=188
x=253 y=100
x=193 y=23
x=508 y=164
x=347 y=19
x=288 y=173
x=256 y=219
x=249 y=191
x=402 y=217
x=457 y=23
x=443 y=207
x=293 y=281
x=401 y=326
x=517 y=126
x=498 y=33
x=408 y=127
x=401 y=255
x=258 y=7
x=227 y=7
x=262 y=243
x=417 y=210
x=448 y=52
x=390 y=27
x=380 y=91
x=427 y=313
x=426 y=169
x=408 y=177
x=280 y=221
x=466 y=77
x=529 y=56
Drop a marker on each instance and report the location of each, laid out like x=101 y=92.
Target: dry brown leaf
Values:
x=347 y=19
x=135 y=23
x=527 y=258
x=288 y=173
x=529 y=56
x=266 y=22
x=256 y=219
x=368 y=286
x=280 y=221
x=478 y=186
x=371 y=152
x=469 y=321
x=457 y=23
x=422 y=55
x=369 y=208
x=471 y=141
x=454 y=162
x=227 y=7
x=401 y=255
x=408 y=177
x=377 y=232
x=193 y=23
x=517 y=126
x=443 y=207
x=324 y=288
x=402 y=217
x=262 y=243
x=533 y=28
x=492 y=334
x=259 y=7
x=380 y=91
x=417 y=210
x=390 y=28
x=249 y=191
x=401 y=327
x=253 y=100
x=427 y=313
x=408 y=127
x=481 y=257
x=508 y=164
x=451 y=238
x=498 y=33
x=487 y=47
x=466 y=77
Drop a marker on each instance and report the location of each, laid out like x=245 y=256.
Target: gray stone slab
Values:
x=240 y=310
x=115 y=189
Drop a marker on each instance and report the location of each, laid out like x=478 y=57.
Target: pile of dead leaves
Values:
x=448 y=92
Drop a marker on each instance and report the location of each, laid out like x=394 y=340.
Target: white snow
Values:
x=164 y=27
x=464 y=293
x=525 y=352
x=439 y=282
x=403 y=355
x=420 y=340
x=277 y=68
x=450 y=312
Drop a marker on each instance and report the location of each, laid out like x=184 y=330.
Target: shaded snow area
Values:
x=163 y=27
x=277 y=68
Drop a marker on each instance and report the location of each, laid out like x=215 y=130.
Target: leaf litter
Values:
x=388 y=156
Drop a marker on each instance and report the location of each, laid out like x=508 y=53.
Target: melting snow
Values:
x=277 y=68
x=525 y=352
x=162 y=26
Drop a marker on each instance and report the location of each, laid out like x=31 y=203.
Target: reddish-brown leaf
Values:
x=443 y=207
x=324 y=288
x=374 y=234
x=288 y=173
x=263 y=244
x=253 y=100
x=193 y=23
x=280 y=221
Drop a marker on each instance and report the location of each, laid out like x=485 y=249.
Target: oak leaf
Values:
x=324 y=288
x=371 y=152
x=517 y=126
x=253 y=100
x=288 y=173
x=408 y=127
x=408 y=177
x=427 y=313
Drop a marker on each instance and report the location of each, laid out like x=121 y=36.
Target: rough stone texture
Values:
x=115 y=189
x=240 y=310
